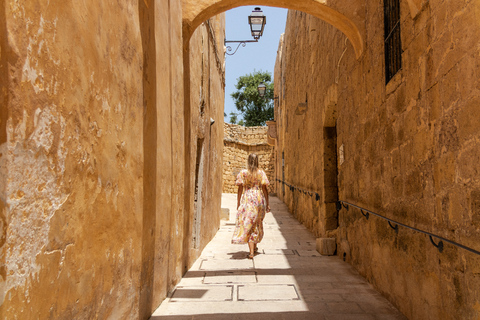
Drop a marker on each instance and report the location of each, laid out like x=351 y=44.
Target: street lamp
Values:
x=261 y=89
x=257 y=22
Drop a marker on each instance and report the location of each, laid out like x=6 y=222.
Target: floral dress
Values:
x=249 y=222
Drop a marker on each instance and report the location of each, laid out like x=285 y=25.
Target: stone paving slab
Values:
x=308 y=253
x=271 y=292
x=217 y=264
x=202 y=293
x=278 y=251
x=287 y=280
x=223 y=277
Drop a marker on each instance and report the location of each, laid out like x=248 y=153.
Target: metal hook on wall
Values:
x=366 y=214
x=394 y=228
x=439 y=246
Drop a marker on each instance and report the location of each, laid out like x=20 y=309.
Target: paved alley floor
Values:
x=287 y=280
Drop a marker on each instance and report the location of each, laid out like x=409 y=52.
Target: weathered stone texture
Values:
x=73 y=158
x=410 y=149
x=326 y=246
x=305 y=138
x=93 y=158
x=207 y=95
x=238 y=143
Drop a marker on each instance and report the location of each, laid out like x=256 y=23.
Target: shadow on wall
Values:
x=147 y=29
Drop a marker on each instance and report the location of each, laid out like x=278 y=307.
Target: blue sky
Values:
x=259 y=56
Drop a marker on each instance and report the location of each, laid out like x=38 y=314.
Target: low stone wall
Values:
x=238 y=143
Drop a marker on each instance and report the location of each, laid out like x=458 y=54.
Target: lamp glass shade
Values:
x=256 y=28
x=261 y=89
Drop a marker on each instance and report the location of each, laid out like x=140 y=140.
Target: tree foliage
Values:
x=255 y=110
x=233 y=117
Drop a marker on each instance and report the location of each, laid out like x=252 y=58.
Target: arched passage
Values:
x=345 y=16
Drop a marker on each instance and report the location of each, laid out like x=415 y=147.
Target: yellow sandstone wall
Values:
x=93 y=157
x=410 y=149
x=207 y=105
x=238 y=143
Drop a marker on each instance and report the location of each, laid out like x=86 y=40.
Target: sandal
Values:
x=250 y=256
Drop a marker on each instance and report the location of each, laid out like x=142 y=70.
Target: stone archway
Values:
x=348 y=16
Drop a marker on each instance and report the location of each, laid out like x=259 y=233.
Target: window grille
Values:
x=393 y=46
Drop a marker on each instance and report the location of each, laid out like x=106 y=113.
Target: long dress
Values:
x=249 y=222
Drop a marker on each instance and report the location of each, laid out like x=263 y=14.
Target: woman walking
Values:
x=252 y=206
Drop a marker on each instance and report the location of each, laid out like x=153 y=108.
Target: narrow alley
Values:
x=289 y=279
x=114 y=155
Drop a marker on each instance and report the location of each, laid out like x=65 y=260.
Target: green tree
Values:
x=233 y=118
x=255 y=110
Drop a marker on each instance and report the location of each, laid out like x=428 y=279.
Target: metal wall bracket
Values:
x=439 y=246
x=240 y=43
x=394 y=228
x=366 y=214
x=339 y=205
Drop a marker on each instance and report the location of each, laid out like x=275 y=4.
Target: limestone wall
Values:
x=238 y=143
x=407 y=150
x=207 y=96
x=95 y=155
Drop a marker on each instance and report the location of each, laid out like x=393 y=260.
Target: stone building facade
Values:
x=238 y=143
x=407 y=149
x=110 y=169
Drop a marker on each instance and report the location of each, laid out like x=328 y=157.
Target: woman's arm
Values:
x=239 y=195
x=265 y=193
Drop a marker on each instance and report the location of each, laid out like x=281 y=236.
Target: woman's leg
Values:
x=251 y=246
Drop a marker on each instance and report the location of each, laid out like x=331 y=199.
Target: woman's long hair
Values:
x=252 y=163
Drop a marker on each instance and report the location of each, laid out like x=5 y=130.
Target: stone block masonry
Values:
x=407 y=149
x=238 y=143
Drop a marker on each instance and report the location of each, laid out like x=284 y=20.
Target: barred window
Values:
x=393 y=46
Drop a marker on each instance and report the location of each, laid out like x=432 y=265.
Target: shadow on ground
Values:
x=287 y=280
